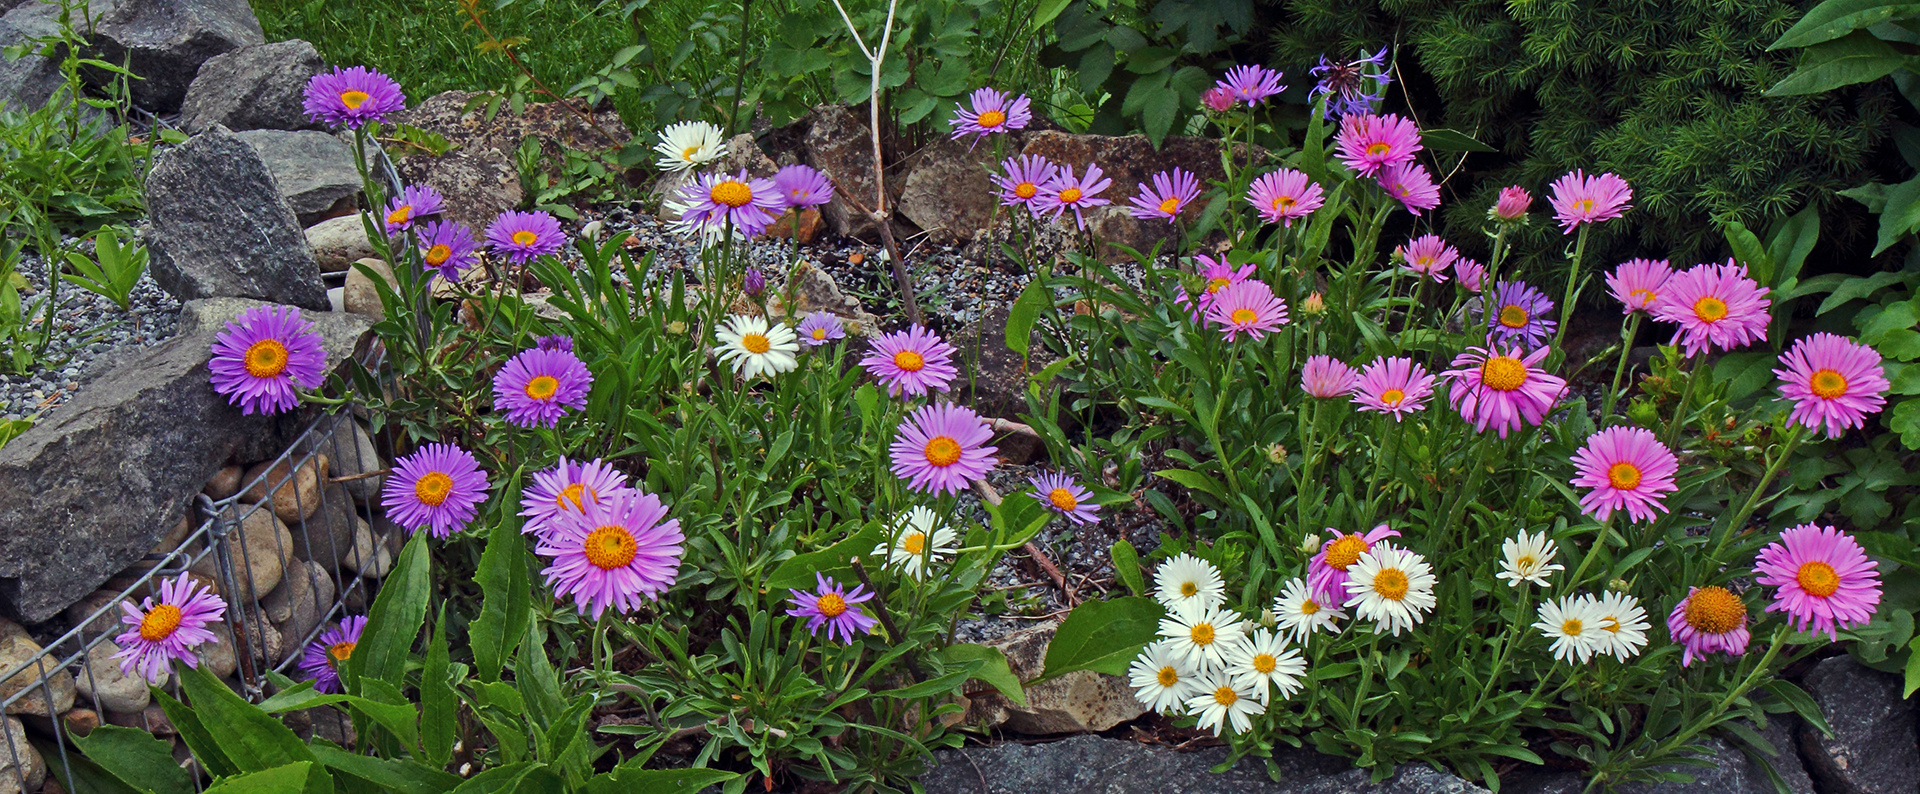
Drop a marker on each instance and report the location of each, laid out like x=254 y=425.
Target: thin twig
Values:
x=363 y=476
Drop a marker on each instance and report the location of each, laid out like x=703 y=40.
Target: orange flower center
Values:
x=1710 y=309
x=1216 y=284
x=438 y=254
x=1624 y=476
x=909 y=360
x=1818 y=579
x=1309 y=607
x=1828 y=384
x=610 y=547
x=1503 y=373
x=914 y=543
x=943 y=451
x=1244 y=316
x=1571 y=627
x=1583 y=205
x=433 y=489
x=992 y=118
x=1063 y=499
x=1390 y=584
x=1392 y=397
x=1202 y=633
x=400 y=215
x=1170 y=205
x=1225 y=696
x=1169 y=676
x=756 y=343
x=160 y=622
x=1715 y=610
x=353 y=99
x=579 y=494
x=1346 y=551
x=1379 y=148
x=1070 y=195
x=1264 y=663
x=1513 y=316
x=1644 y=295
x=688 y=153
x=831 y=605
x=819 y=334
x=543 y=387
x=1284 y=203
x=732 y=193
x=1026 y=190
x=1189 y=589
x=266 y=358
x=525 y=237
x=340 y=652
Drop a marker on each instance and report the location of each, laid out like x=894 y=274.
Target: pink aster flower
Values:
x=939 y=448
x=1393 y=386
x=320 y=661
x=1284 y=196
x=439 y=487
x=1022 y=178
x=167 y=629
x=413 y=203
x=715 y=202
x=916 y=362
x=1578 y=198
x=802 y=186
x=536 y=387
x=1327 y=377
x=1251 y=83
x=1219 y=275
x=1250 y=308
x=620 y=551
x=569 y=485
x=1065 y=191
x=1512 y=205
x=1368 y=143
x=1628 y=469
x=1709 y=619
x=1826 y=583
x=993 y=113
x=1834 y=382
x=1427 y=256
x=1501 y=390
x=820 y=328
x=1327 y=571
x=832 y=606
x=352 y=97
x=263 y=355
x=1470 y=272
x=1171 y=193
x=447 y=249
x=1716 y=306
x=1636 y=283
x=1218 y=99
x=1411 y=185
x=1059 y=493
x=521 y=236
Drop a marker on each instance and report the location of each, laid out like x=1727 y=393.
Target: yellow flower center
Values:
x=1346 y=551
x=1715 y=610
x=943 y=451
x=1379 y=148
x=433 y=489
x=579 y=494
x=160 y=622
x=1504 y=373
x=438 y=254
x=1611 y=624
x=1225 y=696
x=1828 y=384
x=1264 y=663
x=1026 y=190
x=1284 y=203
x=1513 y=316
x=1624 y=476
x=266 y=358
x=992 y=118
x=756 y=343
x=819 y=334
x=543 y=387
x=1571 y=628
x=1063 y=499
x=1169 y=676
x=914 y=543
x=1644 y=295
x=1244 y=316
x=525 y=237
x=1392 y=397
x=1070 y=195
x=1202 y=633
x=340 y=652
x=689 y=152
x=400 y=215
x=1189 y=589
x=1170 y=205
x=909 y=360
x=1818 y=579
x=1309 y=607
x=1390 y=584
x=731 y=192
x=1583 y=205
x=1216 y=284
x=610 y=547
x=1525 y=563
x=830 y=604
x=1710 y=309
x=353 y=99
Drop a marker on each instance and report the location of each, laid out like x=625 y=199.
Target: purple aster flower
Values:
x=802 y=186
x=916 y=362
x=1834 y=382
x=1410 y=183
x=447 y=248
x=263 y=355
x=622 y=549
x=352 y=97
x=521 y=236
x=413 y=203
x=1354 y=87
x=1218 y=274
x=569 y=485
x=168 y=629
x=1064 y=496
x=715 y=201
x=1250 y=84
x=1023 y=178
x=939 y=448
x=440 y=487
x=1250 y=308
x=536 y=387
x=1517 y=311
x=321 y=661
x=554 y=342
x=1065 y=190
x=820 y=328
x=993 y=113
x=829 y=605
x=1171 y=193
x=754 y=283
x=1470 y=272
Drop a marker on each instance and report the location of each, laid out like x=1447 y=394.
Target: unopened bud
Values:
x=1276 y=454
x=1314 y=304
x=676 y=328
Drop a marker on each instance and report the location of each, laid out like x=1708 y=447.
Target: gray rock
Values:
x=1873 y=749
x=326 y=537
x=369 y=559
x=221 y=229
x=253 y=88
x=350 y=453
x=26 y=84
x=314 y=170
x=218 y=654
x=40 y=700
x=102 y=683
x=150 y=431
x=361 y=297
x=338 y=242
x=19 y=760
x=996 y=382
x=948 y=191
x=152 y=719
x=815 y=290
x=1097 y=765
x=261 y=547
x=165 y=42
x=839 y=145
x=104 y=602
x=301 y=601
x=1732 y=771
x=293 y=491
x=1078 y=702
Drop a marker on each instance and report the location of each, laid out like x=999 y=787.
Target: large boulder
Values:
x=838 y=144
x=112 y=471
x=478 y=176
x=165 y=42
x=1727 y=770
x=221 y=229
x=1082 y=701
x=27 y=83
x=1873 y=749
x=949 y=192
x=314 y=170
x=253 y=88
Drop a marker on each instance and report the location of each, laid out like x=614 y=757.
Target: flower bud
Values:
x=1313 y=304
x=755 y=283
x=1512 y=205
x=676 y=328
x=1276 y=454
x=1218 y=99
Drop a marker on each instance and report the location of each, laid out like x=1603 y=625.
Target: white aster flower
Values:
x=1392 y=587
x=687 y=144
x=1623 y=624
x=1202 y=634
x=1220 y=704
x=1297 y=612
x=1574 y=626
x=1261 y=661
x=1188 y=579
x=755 y=348
x=918 y=541
x=1529 y=559
x=1161 y=679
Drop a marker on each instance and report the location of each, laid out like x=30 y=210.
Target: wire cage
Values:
x=295 y=549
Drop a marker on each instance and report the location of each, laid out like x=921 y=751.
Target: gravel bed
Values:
x=88 y=327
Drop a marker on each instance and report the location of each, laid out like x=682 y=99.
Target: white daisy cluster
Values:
x=1583 y=626
x=917 y=541
x=1209 y=664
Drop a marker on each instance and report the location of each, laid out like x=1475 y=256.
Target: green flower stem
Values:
x=1686 y=402
x=1620 y=370
x=1746 y=685
x=1599 y=539
x=1759 y=489
x=1573 y=288
x=1307 y=453
x=1506 y=648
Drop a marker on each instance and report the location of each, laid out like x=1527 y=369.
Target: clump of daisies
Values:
x=1211 y=662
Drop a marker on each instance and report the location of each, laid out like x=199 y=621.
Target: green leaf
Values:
x=506 y=600
x=285 y=779
x=1856 y=58
x=1195 y=480
x=1913 y=669
x=1047 y=12
x=797 y=573
x=1901 y=215
x=1835 y=18
x=1102 y=636
x=439 y=704
x=993 y=668
x=199 y=740
x=402 y=776
x=625 y=781
x=1748 y=251
x=1126 y=565
x=397 y=614
x=137 y=758
x=1033 y=300
x=1792 y=241
x=252 y=739
x=526 y=777
x=1445 y=140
